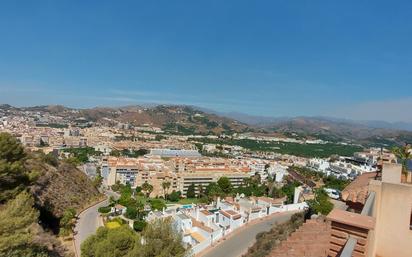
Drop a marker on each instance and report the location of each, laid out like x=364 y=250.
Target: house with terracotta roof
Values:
x=249 y=209
x=118 y=209
x=196 y=233
x=229 y=220
x=269 y=205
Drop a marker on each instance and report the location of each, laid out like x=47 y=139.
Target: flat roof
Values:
x=352 y=219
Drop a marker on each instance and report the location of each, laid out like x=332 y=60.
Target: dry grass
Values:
x=266 y=241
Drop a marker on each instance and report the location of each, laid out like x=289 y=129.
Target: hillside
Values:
x=172 y=118
x=335 y=130
x=59 y=188
x=193 y=120
x=34 y=199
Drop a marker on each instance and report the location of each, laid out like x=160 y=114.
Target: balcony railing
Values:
x=355 y=232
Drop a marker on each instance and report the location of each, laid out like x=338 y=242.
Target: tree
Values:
x=321 y=203
x=201 y=191
x=139 y=225
x=140 y=209
x=225 y=185
x=403 y=154
x=131 y=212
x=159 y=137
x=157 y=204
x=97 y=181
x=10 y=148
x=119 y=241
x=277 y=193
x=147 y=188
x=191 y=191
x=104 y=209
x=174 y=196
x=16 y=218
x=165 y=186
x=67 y=222
x=213 y=190
x=115 y=153
x=13 y=175
x=289 y=191
x=160 y=240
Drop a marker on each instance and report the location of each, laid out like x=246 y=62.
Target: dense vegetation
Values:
x=81 y=154
x=330 y=181
x=304 y=150
x=19 y=229
x=320 y=204
x=37 y=189
x=129 y=153
x=159 y=240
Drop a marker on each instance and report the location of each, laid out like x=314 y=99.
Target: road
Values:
x=88 y=222
x=238 y=243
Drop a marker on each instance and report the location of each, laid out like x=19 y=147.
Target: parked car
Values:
x=332 y=193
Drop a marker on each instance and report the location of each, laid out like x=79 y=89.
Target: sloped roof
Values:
x=357 y=190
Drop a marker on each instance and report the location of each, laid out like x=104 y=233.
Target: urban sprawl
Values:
x=208 y=189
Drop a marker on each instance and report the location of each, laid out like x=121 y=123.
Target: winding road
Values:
x=88 y=222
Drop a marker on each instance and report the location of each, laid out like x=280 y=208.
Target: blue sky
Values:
x=350 y=59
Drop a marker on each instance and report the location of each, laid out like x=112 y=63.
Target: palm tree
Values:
x=147 y=188
x=165 y=186
x=200 y=189
x=404 y=154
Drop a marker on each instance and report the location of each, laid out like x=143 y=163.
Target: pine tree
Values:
x=16 y=218
x=191 y=191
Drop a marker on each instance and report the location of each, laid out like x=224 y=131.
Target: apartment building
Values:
x=205 y=177
x=203 y=171
x=181 y=173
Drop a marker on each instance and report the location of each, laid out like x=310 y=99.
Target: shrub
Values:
x=174 y=196
x=51 y=159
x=139 y=225
x=131 y=213
x=104 y=209
x=112 y=224
x=157 y=204
x=266 y=241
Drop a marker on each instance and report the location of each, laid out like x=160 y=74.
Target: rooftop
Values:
x=357 y=190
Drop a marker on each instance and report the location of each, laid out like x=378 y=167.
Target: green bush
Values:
x=321 y=203
x=191 y=191
x=139 y=225
x=174 y=196
x=157 y=204
x=131 y=213
x=104 y=209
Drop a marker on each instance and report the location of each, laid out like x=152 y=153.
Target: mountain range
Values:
x=191 y=119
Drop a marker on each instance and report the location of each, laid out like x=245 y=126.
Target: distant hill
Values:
x=174 y=118
x=195 y=120
x=337 y=129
